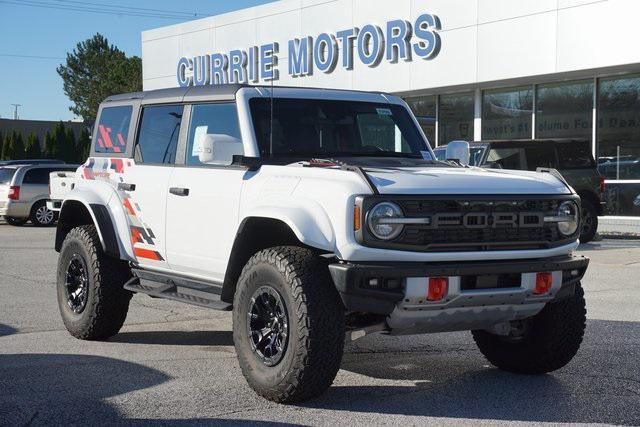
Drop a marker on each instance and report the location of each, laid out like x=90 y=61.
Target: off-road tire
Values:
x=107 y=301
x=589 y=212
x=16 y=222
x=315 y=344
x=553 y=338
x=35 y=220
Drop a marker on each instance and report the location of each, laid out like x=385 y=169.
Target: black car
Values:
x=572 y=157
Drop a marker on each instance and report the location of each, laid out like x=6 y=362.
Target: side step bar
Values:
x=161 y=285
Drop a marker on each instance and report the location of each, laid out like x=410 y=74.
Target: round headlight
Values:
x=380 y=220
x=569 y=218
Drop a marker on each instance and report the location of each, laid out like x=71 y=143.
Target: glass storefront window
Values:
x=618 y=130
x=565 y=110
x=424 y=108
x=456 y=118
x=506 y=113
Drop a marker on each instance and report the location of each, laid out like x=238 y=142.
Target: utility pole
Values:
x=15 y=111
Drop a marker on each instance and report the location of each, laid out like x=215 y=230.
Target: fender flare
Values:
x=107 y=214
x=309 y=222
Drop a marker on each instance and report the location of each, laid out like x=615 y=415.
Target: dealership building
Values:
x=469 y=69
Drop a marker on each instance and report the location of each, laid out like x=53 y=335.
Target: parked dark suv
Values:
x=572 y=157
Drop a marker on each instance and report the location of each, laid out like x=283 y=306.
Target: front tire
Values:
x=91 y=297
x=547 y=341
x=288 y=324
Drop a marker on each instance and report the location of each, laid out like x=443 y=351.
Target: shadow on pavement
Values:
x=67 y=389
x=213 y=338
x=601 y=384
x=6 y=330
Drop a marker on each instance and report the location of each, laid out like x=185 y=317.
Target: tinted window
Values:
x=322 y=128
x=575 y=155
x=506 y=113
x=6 y=174
x=424 y=108
x=564 y=110
x=507 y=158
x=619 y=128
x=37 y=176
x=456 y=118
x=158 y=135
x=540 y=156
x=213 y=119
x=113 y=129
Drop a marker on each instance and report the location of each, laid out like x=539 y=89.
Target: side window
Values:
x=219 y=120
x=541 y=156
x=113 y=129
x=575 y=155
x=508 y=158
x=37 y=176
x=158 y=134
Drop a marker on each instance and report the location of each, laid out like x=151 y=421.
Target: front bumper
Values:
x=401 y=291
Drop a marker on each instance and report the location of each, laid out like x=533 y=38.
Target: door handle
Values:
x=179 y=191
x=126 y=187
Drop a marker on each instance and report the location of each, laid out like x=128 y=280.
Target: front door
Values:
x=202 y=205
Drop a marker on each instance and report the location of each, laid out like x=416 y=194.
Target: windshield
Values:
x=327 y=128
x=6 y=174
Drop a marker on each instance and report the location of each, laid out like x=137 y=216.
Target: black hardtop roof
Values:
x=207 y=92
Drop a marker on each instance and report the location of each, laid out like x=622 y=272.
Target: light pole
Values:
x=15 y=111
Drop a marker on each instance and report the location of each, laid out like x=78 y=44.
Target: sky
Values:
x=35 y=36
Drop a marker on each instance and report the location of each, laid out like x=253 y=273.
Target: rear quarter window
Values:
x=6 y=174
x=113 y=130
x=37 y=176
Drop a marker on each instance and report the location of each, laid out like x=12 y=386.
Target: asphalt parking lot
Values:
x=175 y=364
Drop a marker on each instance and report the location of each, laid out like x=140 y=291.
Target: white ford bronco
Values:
x=316 y=216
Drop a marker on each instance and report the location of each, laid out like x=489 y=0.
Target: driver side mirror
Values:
x=458 y=151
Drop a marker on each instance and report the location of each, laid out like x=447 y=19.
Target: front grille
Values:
x=475 y=224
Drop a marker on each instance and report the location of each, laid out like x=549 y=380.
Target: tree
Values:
x=18 y=147
x=95 y=70
x=64 y=151
x=32 y=150
x=51 y=150
x=13 y=148
x=1 y=145
x=83 y=147
x=69 y=153
x=5 y=147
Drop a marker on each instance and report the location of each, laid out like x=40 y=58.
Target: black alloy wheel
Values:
x=268 y=325
x=77 y=284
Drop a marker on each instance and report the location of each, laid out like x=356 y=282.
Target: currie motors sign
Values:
x=400 y=40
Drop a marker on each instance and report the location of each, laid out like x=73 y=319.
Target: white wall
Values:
x=482 y=40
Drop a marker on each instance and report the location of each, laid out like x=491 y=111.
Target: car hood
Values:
x=463 y=181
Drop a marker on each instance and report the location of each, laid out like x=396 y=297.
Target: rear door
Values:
x=202 y=207
x=145 y=181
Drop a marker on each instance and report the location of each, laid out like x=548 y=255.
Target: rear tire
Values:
x=589 y=222
x=91 y=297
x=550 y=340
x=16 y=222
x=41 y=215
x=313 y=317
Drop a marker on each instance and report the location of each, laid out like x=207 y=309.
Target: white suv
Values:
x=315 y=215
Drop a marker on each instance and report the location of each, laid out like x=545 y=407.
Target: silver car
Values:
x=24 y=191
